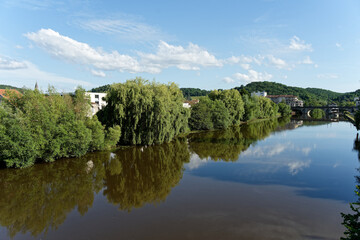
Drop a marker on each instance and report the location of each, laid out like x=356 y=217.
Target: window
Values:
x=96 y=96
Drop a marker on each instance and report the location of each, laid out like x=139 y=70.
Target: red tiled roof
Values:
x=3 y=92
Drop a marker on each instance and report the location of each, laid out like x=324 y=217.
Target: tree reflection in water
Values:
x=38 y=199
x=228 y=144
x=139 y=175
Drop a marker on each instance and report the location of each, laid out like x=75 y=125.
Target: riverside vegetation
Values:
x=45 y=127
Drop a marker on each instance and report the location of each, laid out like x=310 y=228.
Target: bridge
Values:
x=329 y=110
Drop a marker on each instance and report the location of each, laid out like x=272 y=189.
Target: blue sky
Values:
x=204 y=44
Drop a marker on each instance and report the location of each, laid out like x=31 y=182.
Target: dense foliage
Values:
x=147 y=112
x=311 y=96
x=101 y=89
x=284 y=109
x=221 y=109
x=317 y=113
x=43 y=127
x=258 y=108
x=194 y=92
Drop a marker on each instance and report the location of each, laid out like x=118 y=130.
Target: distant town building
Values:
x=290 y=100
x=357 y=101
x=4 y=93
x=190 y=103
x=259 y=94
x=97 y=102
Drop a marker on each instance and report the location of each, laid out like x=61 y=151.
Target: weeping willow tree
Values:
x=147 y=112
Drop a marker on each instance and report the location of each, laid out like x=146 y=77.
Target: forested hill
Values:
x=2 y=86
x=311 y=96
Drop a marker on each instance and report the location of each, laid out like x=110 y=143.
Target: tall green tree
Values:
x=147 y=112
x=233 y=103
x=284 y=109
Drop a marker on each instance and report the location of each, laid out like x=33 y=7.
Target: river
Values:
x=266 y=180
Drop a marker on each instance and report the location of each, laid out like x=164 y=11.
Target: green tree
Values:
x=38 y=126
x=146 y=112
x=317 y=113
x=284 y=109
x=233 y=103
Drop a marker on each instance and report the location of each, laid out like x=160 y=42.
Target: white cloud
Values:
x=277 y=62
x=252 y=76
x=245 y=66
x=298 y=44
x=243 y=60
x=81 y=53
x=98 y=73
x=328 y=76
x=19 y=47
x=190 y=58
x=11 y=64
x=228 y=80
x=124 y=28
x=338 y=45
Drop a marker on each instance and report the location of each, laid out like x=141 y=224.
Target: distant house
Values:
x=5 y=93
x=97 y=101
x=190 y=103
x=259 y=94
x=290 y=100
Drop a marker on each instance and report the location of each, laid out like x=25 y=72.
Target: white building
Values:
x=186 y=105
x=259 y=94
x=97 y=101
x=290 y=100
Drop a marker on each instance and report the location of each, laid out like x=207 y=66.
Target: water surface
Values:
x=267 y=180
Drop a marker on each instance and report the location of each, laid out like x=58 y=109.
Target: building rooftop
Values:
x=4 y=92
x=192 y=102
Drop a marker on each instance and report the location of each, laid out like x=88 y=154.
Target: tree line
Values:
x=310 y=96
x=45 y=127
